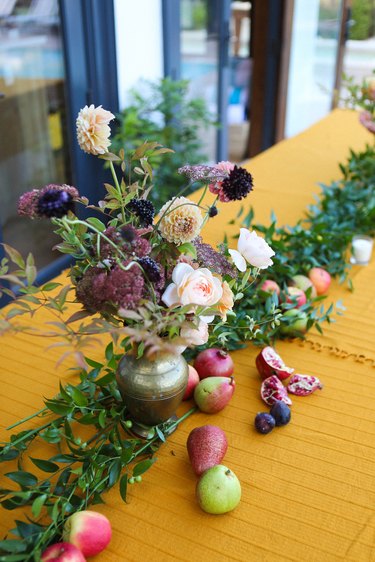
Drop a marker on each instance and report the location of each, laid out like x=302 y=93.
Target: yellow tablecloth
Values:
x=308 y=488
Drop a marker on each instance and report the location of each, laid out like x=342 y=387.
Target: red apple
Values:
x=62 y=552
x=304 y=283
x=269 y=286
x=321 y=279
x=193 y=380
x=89 y=531
x=295 y=296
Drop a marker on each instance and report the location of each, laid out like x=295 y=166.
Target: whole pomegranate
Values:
x=214 y=362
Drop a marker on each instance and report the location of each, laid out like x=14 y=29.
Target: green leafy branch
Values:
x=81 y=469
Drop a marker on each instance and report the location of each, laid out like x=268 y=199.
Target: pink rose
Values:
x=227 y=301
x=193 y=286
x=252 y=249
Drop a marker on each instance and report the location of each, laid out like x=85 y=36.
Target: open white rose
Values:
x=195 y=336
x=252 y=249
x=193 y=286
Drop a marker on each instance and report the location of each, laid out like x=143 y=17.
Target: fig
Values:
x=303 y=385
x=269 y=363
x=272 y=390
x=281 y=413
x=264 y=423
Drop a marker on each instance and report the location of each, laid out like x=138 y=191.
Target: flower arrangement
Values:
x=142 y=274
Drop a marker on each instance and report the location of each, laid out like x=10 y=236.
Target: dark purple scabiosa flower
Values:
x=105 y=291
x=151 y=269
x=128 y=241
x=143 y=209
x=237 y=185
x=54 y=203
x=213 y=260
x=51 y=201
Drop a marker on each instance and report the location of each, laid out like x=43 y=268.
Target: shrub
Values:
x=166 y=114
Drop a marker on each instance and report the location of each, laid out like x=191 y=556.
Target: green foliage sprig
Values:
x=321 y=239
x=81 y=469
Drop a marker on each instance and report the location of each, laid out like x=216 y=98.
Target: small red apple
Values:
x=321 y=279
x=89 y=531
x=304 y=283
x=269 y=286
x=295 y=296
x=62 y=552
x=193 y=380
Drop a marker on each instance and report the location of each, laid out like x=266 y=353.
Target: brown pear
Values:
x=206 y=447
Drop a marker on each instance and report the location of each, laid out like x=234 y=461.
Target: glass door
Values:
x=314 y=56
x=33 y=143
x=204 y=61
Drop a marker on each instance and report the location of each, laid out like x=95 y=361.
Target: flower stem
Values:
x=117 y=185
x=20 y=422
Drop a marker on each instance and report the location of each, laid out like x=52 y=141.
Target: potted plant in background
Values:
x=163 y=110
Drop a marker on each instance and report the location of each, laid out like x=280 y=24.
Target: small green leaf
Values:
x=38 y=503
x=46 y=466
x=96 y=223
x=188 y=249
x=123 y=486
x=142 y=466
x=58 y=407
x=78 y=397
x=23 y=478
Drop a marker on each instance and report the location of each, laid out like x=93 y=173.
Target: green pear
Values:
x=218 y=490
x=213 y=393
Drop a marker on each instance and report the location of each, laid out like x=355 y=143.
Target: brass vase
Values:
x=152 y=389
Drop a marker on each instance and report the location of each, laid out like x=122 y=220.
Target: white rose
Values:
x=253 y=249
x=195 y=336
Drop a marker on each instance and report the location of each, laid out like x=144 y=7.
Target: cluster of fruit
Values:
x=301 y=287
x=86 y=533
x=218 y=489
x=211 y=383
x=210 y=380
x=273 y=370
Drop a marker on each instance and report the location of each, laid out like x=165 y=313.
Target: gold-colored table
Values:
x=308 y=488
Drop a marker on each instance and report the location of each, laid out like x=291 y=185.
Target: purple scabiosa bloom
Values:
x=53 y=203
x=128 y=241
x=237 y=185
x=50 y=201
x=213 y=260
x=143 y=209
x=151 y=269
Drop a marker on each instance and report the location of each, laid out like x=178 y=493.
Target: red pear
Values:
x=206 y=446
x=212 y=394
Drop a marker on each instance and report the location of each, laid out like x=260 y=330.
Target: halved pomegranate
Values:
x=273 y=390
x=303 y=385
x=269 y=363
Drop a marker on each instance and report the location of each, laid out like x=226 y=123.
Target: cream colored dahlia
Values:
x=181 y=220
x=92 y=129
